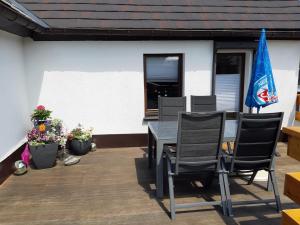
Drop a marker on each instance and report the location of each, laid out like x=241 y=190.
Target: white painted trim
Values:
x=14 y=148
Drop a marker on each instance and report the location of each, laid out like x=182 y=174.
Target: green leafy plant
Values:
x=81 y=134
x=40 y=113
x=56 y=122
x=35 y=143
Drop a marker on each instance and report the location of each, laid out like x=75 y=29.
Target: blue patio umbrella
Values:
x=262 y=91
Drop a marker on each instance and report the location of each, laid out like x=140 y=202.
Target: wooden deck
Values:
x=114 y=186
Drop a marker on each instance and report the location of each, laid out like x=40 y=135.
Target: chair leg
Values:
x=154 y=150
x=171 y=192
x=223 y=195
x=252 y=177
x=150 y=157
x=150 y=149
x=275 y=189
x=165 y=175
x=227 y=192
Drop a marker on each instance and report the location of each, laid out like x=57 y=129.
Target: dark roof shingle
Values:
x=166 y=14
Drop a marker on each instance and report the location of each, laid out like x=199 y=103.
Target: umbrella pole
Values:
x=258 y=108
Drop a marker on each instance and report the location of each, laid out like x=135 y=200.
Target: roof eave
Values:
x=161 y=34
x=18 y=22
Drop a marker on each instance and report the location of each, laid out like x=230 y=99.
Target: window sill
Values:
x=150 y=118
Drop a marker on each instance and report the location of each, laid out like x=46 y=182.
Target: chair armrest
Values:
x=170 y=152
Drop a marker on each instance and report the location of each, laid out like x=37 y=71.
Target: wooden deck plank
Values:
x=114 y=186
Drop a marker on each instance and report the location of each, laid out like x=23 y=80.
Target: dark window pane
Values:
x=162 y=74
x=228 y=64
x=170 y=89
x=162 y=69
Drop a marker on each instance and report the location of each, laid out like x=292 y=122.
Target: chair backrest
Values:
x=169 y=107
x=199 y=140
x=203 y=103
x=256 y=140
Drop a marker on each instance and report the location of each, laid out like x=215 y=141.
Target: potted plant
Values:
x=57 y=127
x=80 y=140
x=41 y=118
x=43 y=147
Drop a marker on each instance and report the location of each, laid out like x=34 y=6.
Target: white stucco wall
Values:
x=14 y=116
x=101 y=84
x=285 y=58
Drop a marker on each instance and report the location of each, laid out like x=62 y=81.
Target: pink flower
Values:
x=40 y=107
x=26 y=155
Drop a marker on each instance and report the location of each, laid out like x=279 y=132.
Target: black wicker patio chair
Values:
x=168 y=108
x=203 y=103
x=254 y=150
x=198 y=151
x=206 y=103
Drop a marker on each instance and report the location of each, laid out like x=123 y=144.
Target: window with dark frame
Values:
x=298 y=91
x=162 y=77
x=229 y=82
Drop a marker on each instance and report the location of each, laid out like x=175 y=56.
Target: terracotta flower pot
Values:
x=80 y=147
x=44 y=156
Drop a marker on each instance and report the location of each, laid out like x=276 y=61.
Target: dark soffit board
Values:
x=111 y=35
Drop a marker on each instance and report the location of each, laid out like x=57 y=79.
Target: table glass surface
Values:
x=167 y=130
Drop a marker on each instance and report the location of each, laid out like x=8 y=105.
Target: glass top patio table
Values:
x=165 y=132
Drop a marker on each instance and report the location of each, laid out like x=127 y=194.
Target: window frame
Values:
x=231 y=46
x=153 y=113
x=242 y=79
x=298 y=88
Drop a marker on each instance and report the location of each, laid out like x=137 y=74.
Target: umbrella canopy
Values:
x=262 y=91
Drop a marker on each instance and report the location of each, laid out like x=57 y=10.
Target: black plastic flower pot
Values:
x=80 y=147
x=44 y=156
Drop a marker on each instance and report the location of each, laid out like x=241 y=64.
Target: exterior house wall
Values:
x=285 y=58
x=101 y=84
x=14 y=115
